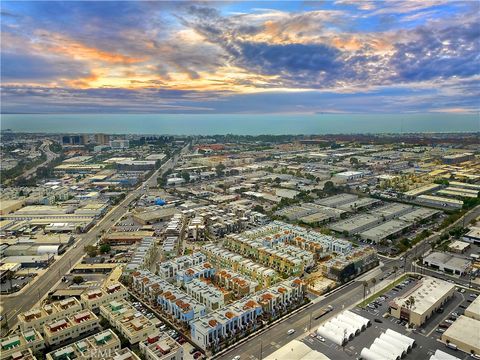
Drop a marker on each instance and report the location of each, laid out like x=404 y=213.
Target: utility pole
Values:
x=310 y=324
x=261 y=350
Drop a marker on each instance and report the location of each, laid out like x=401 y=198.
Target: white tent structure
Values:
x=441 y=355
x=357 y=326
x=343 y=327
x=397 y=351
x=390 y=345
x=387 y=354
x=368 y=354
x=396 y=342
x=401 y=337
x=331 y=335
x=364 y=321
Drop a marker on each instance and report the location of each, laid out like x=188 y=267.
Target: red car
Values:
x=197 y=355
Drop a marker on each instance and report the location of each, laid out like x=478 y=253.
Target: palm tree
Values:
x=365 y=285
x=374 y=281
x=412 y=301
x=395 y=269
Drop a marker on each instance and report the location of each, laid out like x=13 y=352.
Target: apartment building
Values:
x=95 y=298
x=161 y=347
x=101 y=345
x=144 y=254
x=70 y=327
x=125 y=354
x=168 y=270
x=133 y=325
x=20 y=343
x=227 y=259
x=48 y=313
x=345 y=267
x=207 y=294
x=278 y=232
x=26 y=354
x=288 y=260
x=214 y=329
x=240 y=285
x=172 y=301
x=205 y=271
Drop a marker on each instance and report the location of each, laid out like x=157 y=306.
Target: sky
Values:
x=279 y=57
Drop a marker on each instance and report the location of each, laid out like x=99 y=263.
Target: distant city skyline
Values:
x=241 y=57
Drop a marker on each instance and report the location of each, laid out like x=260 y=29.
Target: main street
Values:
x=276 y=336
x=26 y=299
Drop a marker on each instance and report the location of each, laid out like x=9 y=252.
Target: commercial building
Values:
x=473 y=310
x=134 y=326
x=464 y=333
x=457 y=158
x=93 y=299
x=473 y=235
x=337 y=200
x=70 y=327
x=48 y=313
x=161 y=347
x=119 y=144
x=151 y=216
x=421 y=190
x=21 y=342
x=101 y=345
x=386 y=230
x=126 y=237
x=449 y=263
x=296 y=350
x=428 y=295
x=441 y=202
x=459 y=247
x=356 y=224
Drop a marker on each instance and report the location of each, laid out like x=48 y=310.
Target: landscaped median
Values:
x=384 y=290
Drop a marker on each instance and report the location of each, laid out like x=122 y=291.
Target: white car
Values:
x=291 y=331
x=236 y=357
x=321 y=338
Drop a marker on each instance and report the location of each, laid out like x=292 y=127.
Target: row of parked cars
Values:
x=442 y=327
x=174 y=334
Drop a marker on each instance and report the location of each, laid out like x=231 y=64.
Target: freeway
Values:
x=16 y=304
x=276 y=336
x=45 y=148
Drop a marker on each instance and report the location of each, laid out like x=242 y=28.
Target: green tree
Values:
x=91 y=250
x=77 y=279
x=186 y=176
x=220 y=169
x=329 y=187
x=105 y=248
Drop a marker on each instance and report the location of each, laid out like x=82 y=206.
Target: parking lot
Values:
x=15 y=284
x=190 y=352
x=426 y=337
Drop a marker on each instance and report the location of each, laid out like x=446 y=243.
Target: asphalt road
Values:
x=49 y=154
x=14 y=305
x=275 y=337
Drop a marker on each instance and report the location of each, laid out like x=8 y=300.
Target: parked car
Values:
x=440 y=330
x=197 y=355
